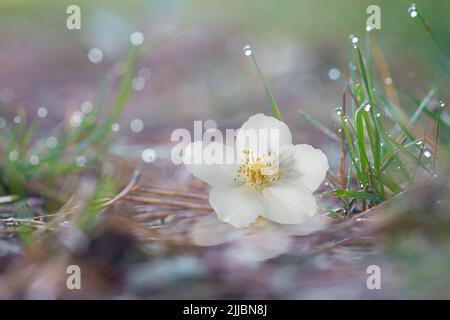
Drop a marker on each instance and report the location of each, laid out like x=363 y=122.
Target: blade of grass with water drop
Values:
x=373 y=133
x=359 y=173
x=273 y=103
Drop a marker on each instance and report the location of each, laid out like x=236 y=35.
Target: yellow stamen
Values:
x=258 y=172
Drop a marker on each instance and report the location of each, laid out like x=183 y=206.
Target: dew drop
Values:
x=115 y=127
x=427 y=154
x=412 y=10
x=42 y=112
x=86 y=107
x=148 y=155
x=17 y=119
x=368 y=29
x=354 y=39
x=247 y=50
x=367 y=107
x=419 y=142
x=136 y=125
x=34 y=160
x=76 y=119
x=136 y=38
x=378 y=115
x=339 y=111
x=13 y=155
x=334 y=74
x=80 y=161
x=388 y=81
x=138 y=84
x=442 y=104
x=95 y=55
x=51 y=142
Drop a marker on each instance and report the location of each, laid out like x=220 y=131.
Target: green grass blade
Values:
x=273 y=103
x=316 y=123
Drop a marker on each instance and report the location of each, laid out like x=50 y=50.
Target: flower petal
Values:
x=239 y=206
x=209 y=163
x=262 y=133
x=288 y=202
x=303 y=161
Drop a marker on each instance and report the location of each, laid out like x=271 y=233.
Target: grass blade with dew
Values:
x=372 y=132
x=248 y=51
x=344 y=119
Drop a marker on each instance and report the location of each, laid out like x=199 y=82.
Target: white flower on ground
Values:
x=270 y=179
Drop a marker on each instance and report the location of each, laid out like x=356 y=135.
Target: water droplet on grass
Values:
x=34 y=160
x=388 y=81
x=427 y=154
x=136 y=38
x=412 y=10
x=76 y=119
x=247 y=50
x=138 y=83
x=51 y=142
x=80 y=161
x=339 y=111
x=354 y=39
x=367 y=107
x=17 y=119
x=86 y=107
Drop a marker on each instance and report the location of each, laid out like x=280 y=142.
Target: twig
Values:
x=130 y=187
x=168 y=203
x=171 y=193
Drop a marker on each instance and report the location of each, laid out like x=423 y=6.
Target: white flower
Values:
x=272 y=179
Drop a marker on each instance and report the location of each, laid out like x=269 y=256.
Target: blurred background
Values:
x=194 y=69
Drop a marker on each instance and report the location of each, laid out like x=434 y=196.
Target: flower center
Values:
x=258 y=172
